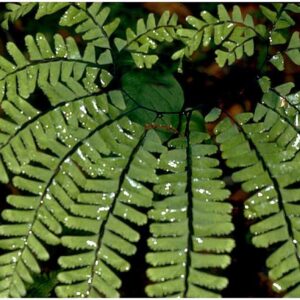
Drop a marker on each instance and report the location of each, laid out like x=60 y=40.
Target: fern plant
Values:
x=115 y=150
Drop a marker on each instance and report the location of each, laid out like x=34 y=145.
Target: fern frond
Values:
x=279 y=17
x=47 y=67
x=15 y=11
x=89 y=21
x=146 y=38
x=281 y=20
x=69 y=97
x=234 y=33
x=283 y=103
x=293 y=7
x=190 y=223
x=46 y=156
x=106 y=210
x=18 y=10
x=265 y=148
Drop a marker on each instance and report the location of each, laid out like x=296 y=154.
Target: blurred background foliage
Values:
x=205 y=85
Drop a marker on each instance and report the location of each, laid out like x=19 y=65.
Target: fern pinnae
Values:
x=30 y=118
x=43 y=66
x=181 y=252
x=44 y=191
x=272 y=200
x=146 y=38
x=15 y=11
x=233 y=33
x=274 y=181
x=111 y=209
x=282 y=103
x=88 y=20
x=90 y=23
x=113 y=238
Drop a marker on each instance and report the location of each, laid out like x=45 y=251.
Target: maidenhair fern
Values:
x=190 y=220
x=112 y=151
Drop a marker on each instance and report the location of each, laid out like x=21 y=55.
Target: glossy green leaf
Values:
x=213 y=115
x=268 y=13
x=159 y=94
x=278 y=61
x=277 y=38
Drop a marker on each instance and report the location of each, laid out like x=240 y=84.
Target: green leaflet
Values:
x=268 y=13
x=278 y=61
x=293 y=49
x=213 y=115
x=267 y=175
x=188 y=221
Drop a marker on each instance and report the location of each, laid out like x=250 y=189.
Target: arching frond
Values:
x=46 y=67
x=15 y=11
x=112 y=191
x=146 y=38
x=281 y=19
x=234 y=33
x=88 y=19
x=284 y=104
x=265 y=148
x=21 y=117
x=46 y=156
x=191 y=221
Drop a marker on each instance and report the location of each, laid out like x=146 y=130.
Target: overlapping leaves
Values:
x=88 y=175
x=49 y=155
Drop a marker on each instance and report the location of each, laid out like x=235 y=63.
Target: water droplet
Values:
x=173 y=163
x=91 y=243
x=277 y=286
x=296 y=142
x=199 y=241
x=154 y=241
